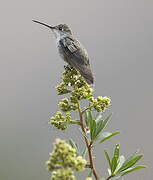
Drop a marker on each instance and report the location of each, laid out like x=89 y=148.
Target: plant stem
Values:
x=109 y=177
x=88 y=166
x=84 y=110
x=75 y=122
x=88 y=144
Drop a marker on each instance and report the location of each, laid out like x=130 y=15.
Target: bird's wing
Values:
x=74 y=51
x=74 y=54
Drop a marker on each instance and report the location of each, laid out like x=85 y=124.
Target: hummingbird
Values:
x=71 y=50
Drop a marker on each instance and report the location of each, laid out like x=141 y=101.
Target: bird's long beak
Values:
x=51 y=27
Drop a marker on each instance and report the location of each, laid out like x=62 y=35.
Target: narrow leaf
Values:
x=101 y=124
x=92 y=125
x=108 y=158
x=108 y=136
x=115 y=158
x=83 y=134
x=121 y=160
x=86 y=118
x=129 y=170
x=109 y=172
x=93 y=130
x=130 y=162
x=89 y=113
x=90 y=173
x=99 y=117
x=83 y=154
x=73 y=144
x=106 y=120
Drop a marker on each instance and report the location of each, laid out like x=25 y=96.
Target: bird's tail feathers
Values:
x=85 y=71
x=87 y=74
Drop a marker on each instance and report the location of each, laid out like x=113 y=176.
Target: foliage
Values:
x=118 y=165
x=66 y=157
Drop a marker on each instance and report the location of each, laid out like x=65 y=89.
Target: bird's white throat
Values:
x=59 y=35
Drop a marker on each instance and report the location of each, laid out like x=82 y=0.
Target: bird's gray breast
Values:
x=62 y=52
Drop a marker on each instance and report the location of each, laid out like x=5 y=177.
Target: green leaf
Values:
x=83 y=154
x=83 y=134
x=98 y=117
x=74 y=145
x=121 y=160
x=93 y=130
x=108 y=158
x=115 y=158
x=89 y=113
x=129 y=170
x=109 y=172
x=105 y=121
x=86 y=117
x=100 y=125
x=92 y=125
x=130 y=162
x=90 y=119
x=90 y=173
x=108 y=136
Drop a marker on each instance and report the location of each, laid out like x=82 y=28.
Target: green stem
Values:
x=75 y=122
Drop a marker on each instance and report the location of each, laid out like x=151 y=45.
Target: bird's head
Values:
x=59 y=30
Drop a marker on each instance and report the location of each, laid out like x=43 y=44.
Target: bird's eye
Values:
x=60 y=28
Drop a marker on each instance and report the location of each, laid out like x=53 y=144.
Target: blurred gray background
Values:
x=118 y=35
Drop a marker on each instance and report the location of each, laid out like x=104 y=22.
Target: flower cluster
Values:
x=64 y=160
x=67 y=105
x=62 y=89
x=88 y=178
x=100 y=103
x=78 y=89
x=71 y=77
x=60 y=121
x=64 y=156
x=63 y=174
x=84 y=92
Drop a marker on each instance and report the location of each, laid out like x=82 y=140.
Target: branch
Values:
x=88 y=144
x=109 y=177
x=88 y=166
x=84 y=110
x=75 y=122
